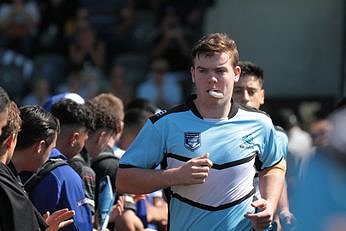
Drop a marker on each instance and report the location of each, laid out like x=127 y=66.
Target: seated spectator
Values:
x=39 y=94
x=19 y=21
x=118 y=85
x=161 y=88
x=172 y=42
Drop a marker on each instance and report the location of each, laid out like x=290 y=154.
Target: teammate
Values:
x=249 y=91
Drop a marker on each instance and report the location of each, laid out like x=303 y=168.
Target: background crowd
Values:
x=87 y=47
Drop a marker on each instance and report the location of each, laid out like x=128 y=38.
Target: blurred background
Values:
x=128 y=46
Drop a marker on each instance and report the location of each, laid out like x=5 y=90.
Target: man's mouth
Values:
x=216 y=94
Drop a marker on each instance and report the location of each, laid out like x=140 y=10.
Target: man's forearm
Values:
x=142 y=181
x=272 y=182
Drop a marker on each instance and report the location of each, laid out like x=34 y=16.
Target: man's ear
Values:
x=102 y=136
x=237 y=71
x=262 y=95
x=73 y=138
x=192 y=71
x=39 y=146
x=10 y=140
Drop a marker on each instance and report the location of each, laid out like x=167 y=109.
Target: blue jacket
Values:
x=63 y=188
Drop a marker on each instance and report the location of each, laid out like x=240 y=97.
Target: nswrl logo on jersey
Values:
x=192 y=140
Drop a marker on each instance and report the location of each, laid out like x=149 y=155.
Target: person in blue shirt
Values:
x=207 y=149
x=62 y=187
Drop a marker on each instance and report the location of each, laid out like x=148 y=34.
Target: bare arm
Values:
x=272 y=182
x=286 y=218
x=140 y=181
x=271 y=185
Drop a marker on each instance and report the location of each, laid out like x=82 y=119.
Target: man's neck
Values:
x=213 y=111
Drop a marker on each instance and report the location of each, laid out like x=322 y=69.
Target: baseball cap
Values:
x=67 y=95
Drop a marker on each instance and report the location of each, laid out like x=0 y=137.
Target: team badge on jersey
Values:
x=192 y=140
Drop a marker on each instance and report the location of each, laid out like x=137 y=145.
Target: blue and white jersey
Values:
x=180 y=134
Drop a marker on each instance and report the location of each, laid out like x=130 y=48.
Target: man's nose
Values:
x=212 y=79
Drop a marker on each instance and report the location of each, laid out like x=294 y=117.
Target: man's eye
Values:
x=251 y=91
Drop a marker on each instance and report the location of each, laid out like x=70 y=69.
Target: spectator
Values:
x=154 y=215
x=19 y=24
x=53 y=24
x=172 y=42
x=108 y=120
x=73 y=113
x=63 y=183
x=161 y=88
x=4 y=106
x=18 y=213
x=39 y=94
x=118 y=85
x=322 y=186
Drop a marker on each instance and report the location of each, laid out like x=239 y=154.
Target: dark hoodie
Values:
x=17 y=213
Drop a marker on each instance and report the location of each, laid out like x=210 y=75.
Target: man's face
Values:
x=214 y=77
x=3 y=119
x=248 y=91
x=97 y=142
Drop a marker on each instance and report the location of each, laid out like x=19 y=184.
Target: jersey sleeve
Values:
x=146 y=151
x=273 y=148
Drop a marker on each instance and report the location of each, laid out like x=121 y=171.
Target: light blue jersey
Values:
x=174 y=137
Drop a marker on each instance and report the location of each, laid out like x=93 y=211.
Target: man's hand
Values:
x=58 y=219
x=263 y=217
x=287 y=220
x=117 y=209
x=195 y=171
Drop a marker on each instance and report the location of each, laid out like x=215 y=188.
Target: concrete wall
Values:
x=299 y=43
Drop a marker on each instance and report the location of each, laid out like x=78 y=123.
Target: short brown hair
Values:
x=113 y=106
x=14 y=122
x=215 y=43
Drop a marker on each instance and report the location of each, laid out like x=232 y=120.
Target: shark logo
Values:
x=247 y=142
x=192 y=140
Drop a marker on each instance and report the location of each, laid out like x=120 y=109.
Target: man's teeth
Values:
x=215 y=94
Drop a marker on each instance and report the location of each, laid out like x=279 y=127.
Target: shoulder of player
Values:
x=253 y=110
x=164 y=113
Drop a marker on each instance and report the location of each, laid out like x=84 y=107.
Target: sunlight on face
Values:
x=214 y=77
x=248 y=91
